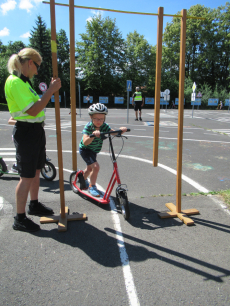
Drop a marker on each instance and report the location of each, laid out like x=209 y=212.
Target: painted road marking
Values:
x=149 y=123
x=6 y=210
x=130 y=286
x=225 y=131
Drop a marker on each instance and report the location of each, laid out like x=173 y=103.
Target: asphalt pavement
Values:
x=107 y=260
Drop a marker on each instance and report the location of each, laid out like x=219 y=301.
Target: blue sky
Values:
x=17 y=17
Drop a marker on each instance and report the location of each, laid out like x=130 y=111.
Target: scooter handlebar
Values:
x=108 y=133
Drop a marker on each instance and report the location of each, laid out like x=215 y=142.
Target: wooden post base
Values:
x=181 y=215
x=62 y=222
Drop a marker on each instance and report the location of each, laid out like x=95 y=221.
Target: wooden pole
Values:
x=57 y=106
x=181 y=110
x=157 y=85
x=73 y=84
x=175 y=210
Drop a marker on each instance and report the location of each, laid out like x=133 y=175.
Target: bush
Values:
x=3 y=107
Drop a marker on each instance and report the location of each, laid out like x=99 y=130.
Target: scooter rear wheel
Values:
x=3 y=167
x=49 y=171
x=71 y=181
x=124 y=204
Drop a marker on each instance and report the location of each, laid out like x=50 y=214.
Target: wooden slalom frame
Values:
x=64 y=216
x=175 y=210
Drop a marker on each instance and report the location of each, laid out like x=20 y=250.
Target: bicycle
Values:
x=49 y=172
x=77 y=181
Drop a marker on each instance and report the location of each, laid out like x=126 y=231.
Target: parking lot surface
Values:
x=107 y=260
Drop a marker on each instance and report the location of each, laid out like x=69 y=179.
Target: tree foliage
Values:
x=104 y=60
x=100 y=56
x=40 y=41
x=140 y=61
x=63 y=62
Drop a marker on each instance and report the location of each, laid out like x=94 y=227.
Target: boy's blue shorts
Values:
x=88 y=156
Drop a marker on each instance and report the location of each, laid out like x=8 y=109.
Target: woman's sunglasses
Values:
x=38 y=67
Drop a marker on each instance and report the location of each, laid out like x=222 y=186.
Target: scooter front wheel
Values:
x=3 y=167
x=124 y=204
x=49 y=171
x=73 y=181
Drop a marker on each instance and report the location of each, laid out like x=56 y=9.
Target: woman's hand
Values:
x=55 y=84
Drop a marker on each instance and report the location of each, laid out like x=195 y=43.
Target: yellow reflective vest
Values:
x=138 y=96
x=20 y=96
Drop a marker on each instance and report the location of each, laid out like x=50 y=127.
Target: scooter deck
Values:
x=98 y=199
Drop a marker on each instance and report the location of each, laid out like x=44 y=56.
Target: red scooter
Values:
x=77 y=181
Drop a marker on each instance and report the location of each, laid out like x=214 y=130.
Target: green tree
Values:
x=3 y=76
x=40 y=41
x=2 y=49
x=207 y=93
x=63 y=63
x=100 y=56
x=223 y=15
x=140 y=61
x=14 y=47
x=207 y=46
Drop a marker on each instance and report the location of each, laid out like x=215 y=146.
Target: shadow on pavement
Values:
x=148 y=219
x=192 y=261
x=214 y=225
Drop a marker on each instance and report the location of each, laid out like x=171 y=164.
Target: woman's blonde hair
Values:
x=16 y=60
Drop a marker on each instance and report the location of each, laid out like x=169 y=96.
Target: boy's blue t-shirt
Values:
x=97 y=142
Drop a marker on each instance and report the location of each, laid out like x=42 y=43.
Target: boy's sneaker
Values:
x=26 y=225
x=14 y=168
x=140 y=119
x=136 y=119
x=39 y=209
x=93 y=191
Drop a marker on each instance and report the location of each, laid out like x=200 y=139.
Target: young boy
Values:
x=89 y=147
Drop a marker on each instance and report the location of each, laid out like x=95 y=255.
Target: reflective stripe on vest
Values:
x=138 y=96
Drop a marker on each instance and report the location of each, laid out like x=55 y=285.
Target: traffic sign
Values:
x=43 y=87
x=166 y=97
x=194 y=87
x=199 y=95
x=129 y=85
x=193 y=97
x=167 y=91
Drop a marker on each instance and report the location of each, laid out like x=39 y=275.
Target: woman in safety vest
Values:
x=26 y=108
x=139 y=103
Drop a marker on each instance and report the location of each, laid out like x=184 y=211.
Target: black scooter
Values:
x=49 y=172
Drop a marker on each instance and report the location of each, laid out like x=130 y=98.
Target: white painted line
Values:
x=220 y=130
x=184 y=177
x=196 y=140
x=129 y=282
x=6 y=149
x=222 y=205
x=6 y=210
x=7 y=153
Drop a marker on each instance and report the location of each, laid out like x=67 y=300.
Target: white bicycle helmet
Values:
x=97 y=108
